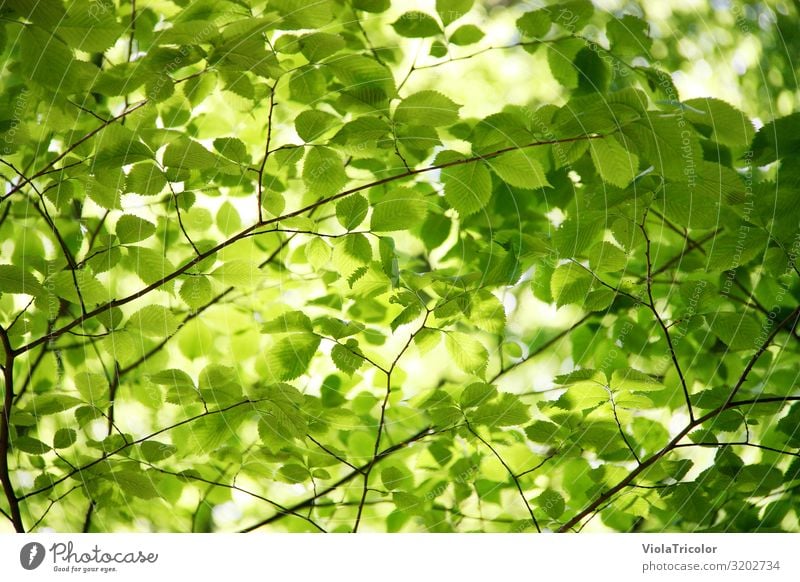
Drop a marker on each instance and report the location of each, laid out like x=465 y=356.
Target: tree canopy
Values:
x=362 y=265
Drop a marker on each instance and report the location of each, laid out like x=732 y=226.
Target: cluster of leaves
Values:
x=248 y=271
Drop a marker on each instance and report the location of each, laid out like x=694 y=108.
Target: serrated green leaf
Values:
x=466 y=35
x=323 y=171
x=467 y=187
x=187 y=154
x=427 y=108
x=720 y=121
x=196 y=291
x=534 y=24
x=347 y=359
x=132 y=229
x=351 y=211
x=551 y=502
x=154 y=451
x=232 y=148
x=569 y=284
x=467 y=352
x=228 y=219
x=92 y=387
x=30 y=445
x=400 y=209
x=145 y=179
x=476 y=394
x=312 y=124
x=135 y=484
x=64 y=438
x=629 y=35
x=154 y=321
x=451 y=10
x=520 y=169
x=616 y=164
x=238 y=273
x=289 y=357
x=15 y=280
x=739 y=331
x=416 y=24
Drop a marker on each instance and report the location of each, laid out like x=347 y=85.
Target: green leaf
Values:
x=467 y=187
x=662 y=142
x=50 y=63
x=534 y=24
x=228 y=219
x=365 y=80
x=196 y=291
x=132 y=229
x=134 y=484
x=154 y=321
x=64 y=438
x=51 y=403
x=416 y=24
x=145 y=179
x=238 y=273
x=232 y=148
x=352 y=251
x=629 y=36
x=427 y=108
x=466 y=35
x=92 y=291
x=289 y=322
x=509 y=410
x=218 y=384
x=301 y=14
x=720 y=121
x=394 y=479
x=467 y=352
x=347 y=359
x=375 y=6
x=551 y=502
x=154 y=451
x=187 y=154
x=312 y=124
x=318 y=253
x=604 y=257
x=738 y=331
x=117 y=147
x=294 y=473
x=569 y=284
x=400 y=209
x=451 y=10
x=320 y=45
x=616 y=164
x=30 y=445
x=520 y=169
x=476 y=394
x=14 y=280
x=93 y=388
x=281 y=414
x=323 y=171
x=289 y=357
x=777 y=139
x=88 y=29
x=634 y=380
x=351 y=211
x=306 y=84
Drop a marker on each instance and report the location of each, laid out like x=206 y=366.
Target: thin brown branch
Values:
x=428 y=431
x=511 y=473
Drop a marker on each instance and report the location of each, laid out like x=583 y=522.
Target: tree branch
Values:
x=5 y=435
x=428 y=431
